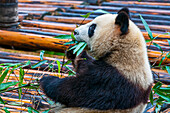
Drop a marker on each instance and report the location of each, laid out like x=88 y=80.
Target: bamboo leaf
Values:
x=16 y=103
x=168 y=69
x=148 y=40
x=147 y=27
x=70 y=42
x=86 y=15
x=41 y=54
x=78 y=47
x=151 y=97
x=81 y=49
x=157 y=85
x=159 y=47
x=1 y=101
x=166 y=97
x=165 y=89
x=157 y=108
x=162 y=59
x=101 y=11
x=21 y=77
x=4 y=75
x=39 y=64
x=68 y=62
x=46 y=111
x=59 y=66
x=168 y=42
x=5 y=109
x=70 y=70
x=168 y=33
x=54 y=53
x=26 y=64
x=63 y=37
x=31 y=110
x=72 y=36
x=6 y=85
x=72 y=47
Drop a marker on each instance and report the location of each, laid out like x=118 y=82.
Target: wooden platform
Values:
x=41 y=20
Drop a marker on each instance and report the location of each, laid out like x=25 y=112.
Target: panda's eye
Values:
x=91 y=30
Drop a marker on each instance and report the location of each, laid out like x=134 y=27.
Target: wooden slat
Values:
x=49 y=25
x=32 y=41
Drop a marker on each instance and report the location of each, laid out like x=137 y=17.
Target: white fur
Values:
x=131 y=56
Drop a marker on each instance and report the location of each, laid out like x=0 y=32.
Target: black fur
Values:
x=97 y=85
x=91 y=30
x=125 y=9
x=123 y=20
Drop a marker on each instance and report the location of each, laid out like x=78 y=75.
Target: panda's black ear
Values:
x=123 y=20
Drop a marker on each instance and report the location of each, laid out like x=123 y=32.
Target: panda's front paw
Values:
x=70 y=55
x=46 y=80
x=49 y=85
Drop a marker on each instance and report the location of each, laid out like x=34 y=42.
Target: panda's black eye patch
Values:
x=91 y=30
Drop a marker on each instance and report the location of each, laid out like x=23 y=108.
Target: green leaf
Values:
x=159 y=47
x=63 y=37
x=1 y=101
x=59 y=66
x=160 y=100
x=26 y=64
x=168 y=33
x=78 y=47
x=146 y=27
x=158 y=108
x=70 y=42
x=165 y=89
x=162 y=59
x=157 y=86
x=5 y=109
x=166 y=97
x=151 y=97
x=81 y=49
x=72 y=47
x=39 y=64
x=54 y=53
x=6 y=85
x=68 y=62
x=148 y=40
x=41 y=54
x=168 y=69
x=86 y=15
x=168 y=42
x=31 y=110
x=50 y=65
x=21 y=75
x=96 y=11
x=46 y=111
x=72 y=36
x=70 y=70
x=4 y=75
x=16 y=103
x=100 y=11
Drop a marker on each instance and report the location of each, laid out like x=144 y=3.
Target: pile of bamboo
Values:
x=41 y=20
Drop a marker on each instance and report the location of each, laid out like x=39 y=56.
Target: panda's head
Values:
x=106 y=32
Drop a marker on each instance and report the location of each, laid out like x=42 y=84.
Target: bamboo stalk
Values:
x=141 y=3
x=49 y=25
x=31 y=41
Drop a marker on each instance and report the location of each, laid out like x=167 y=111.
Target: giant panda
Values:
x=113 y=75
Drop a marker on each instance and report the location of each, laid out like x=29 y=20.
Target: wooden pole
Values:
x=8 y=13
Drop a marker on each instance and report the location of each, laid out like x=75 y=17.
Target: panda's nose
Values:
x=76 y=32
